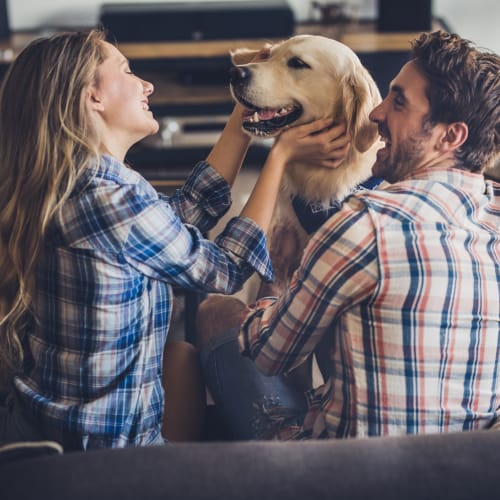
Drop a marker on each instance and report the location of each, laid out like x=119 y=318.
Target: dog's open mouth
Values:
x=268 y=121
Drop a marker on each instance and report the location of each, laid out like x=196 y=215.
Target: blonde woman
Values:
x=89 y=251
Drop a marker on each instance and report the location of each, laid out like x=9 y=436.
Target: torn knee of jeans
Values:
x=270 y=417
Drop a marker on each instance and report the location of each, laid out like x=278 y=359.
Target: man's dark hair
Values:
x=463 y=86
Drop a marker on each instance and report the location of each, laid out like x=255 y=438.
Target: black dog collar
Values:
x=312 y=215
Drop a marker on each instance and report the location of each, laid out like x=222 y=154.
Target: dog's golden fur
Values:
x=305 y=78
x=333 y=83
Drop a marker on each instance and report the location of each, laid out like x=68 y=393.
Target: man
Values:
x=402 y=284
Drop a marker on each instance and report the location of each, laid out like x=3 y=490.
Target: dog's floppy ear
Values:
x=242 y=56
x=361 y=95
x=245 y=55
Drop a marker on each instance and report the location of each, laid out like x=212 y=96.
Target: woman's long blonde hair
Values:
x=47 y=140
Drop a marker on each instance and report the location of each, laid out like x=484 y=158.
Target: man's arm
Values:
x=280 y=333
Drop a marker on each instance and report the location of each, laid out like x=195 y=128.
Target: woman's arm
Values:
x=229 y=151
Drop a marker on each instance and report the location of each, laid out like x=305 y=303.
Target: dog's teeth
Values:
x=255 y=117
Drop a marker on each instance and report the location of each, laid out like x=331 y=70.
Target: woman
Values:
x=89 y=251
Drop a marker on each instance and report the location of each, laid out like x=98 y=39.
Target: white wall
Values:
x=477 y=20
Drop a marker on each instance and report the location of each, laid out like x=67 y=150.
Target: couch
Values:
x=445 y=466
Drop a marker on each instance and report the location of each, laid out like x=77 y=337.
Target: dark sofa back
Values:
x=456 y=466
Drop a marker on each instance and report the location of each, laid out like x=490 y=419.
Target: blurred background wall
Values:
x=477 y=20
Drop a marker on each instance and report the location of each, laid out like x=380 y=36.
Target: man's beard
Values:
x=404 y=158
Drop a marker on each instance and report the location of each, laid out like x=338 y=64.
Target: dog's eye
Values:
x=297 y=63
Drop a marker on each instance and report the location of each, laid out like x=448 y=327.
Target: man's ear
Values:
x=455 y=134
x=94 y=99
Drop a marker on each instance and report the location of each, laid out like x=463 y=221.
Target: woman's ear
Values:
x=94 y=99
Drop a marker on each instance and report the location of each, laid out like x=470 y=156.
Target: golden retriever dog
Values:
x=304 y=78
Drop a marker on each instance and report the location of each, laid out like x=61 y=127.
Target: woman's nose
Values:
x=148 y=87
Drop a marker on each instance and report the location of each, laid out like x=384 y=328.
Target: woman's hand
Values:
x=319 y=143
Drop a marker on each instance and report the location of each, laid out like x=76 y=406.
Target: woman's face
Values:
x=121 y=99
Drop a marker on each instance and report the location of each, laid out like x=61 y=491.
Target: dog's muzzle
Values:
x=239 y=75
x=260 y=121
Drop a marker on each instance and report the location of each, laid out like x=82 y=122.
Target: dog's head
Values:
x=304 y=78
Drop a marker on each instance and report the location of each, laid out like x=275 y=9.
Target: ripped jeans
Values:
x=252 y=405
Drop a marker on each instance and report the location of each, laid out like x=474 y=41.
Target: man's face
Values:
x=402 y=121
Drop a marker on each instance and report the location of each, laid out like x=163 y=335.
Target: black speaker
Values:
x=4 y=20
x=178 y=21
x=404 y=15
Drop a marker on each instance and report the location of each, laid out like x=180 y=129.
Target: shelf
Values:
x=360 y=36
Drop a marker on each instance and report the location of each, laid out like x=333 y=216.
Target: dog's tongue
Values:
x=264 y=114
x=267 y=114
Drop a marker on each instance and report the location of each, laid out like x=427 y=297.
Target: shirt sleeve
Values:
x=338 y=270
x=160 y=245
x=120 y=216
x=204 y=198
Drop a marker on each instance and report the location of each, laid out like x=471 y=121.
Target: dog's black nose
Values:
x=239 y=74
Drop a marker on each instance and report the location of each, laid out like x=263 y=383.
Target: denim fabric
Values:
x=252 y=405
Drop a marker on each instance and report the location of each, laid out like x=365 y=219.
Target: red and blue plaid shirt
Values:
x=104 y=300
x=404 y=281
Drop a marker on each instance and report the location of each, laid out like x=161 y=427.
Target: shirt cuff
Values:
x=256 y=311
x=245 y=239
x=208 y=188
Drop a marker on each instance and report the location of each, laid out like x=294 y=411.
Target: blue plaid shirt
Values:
x=104 y=300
